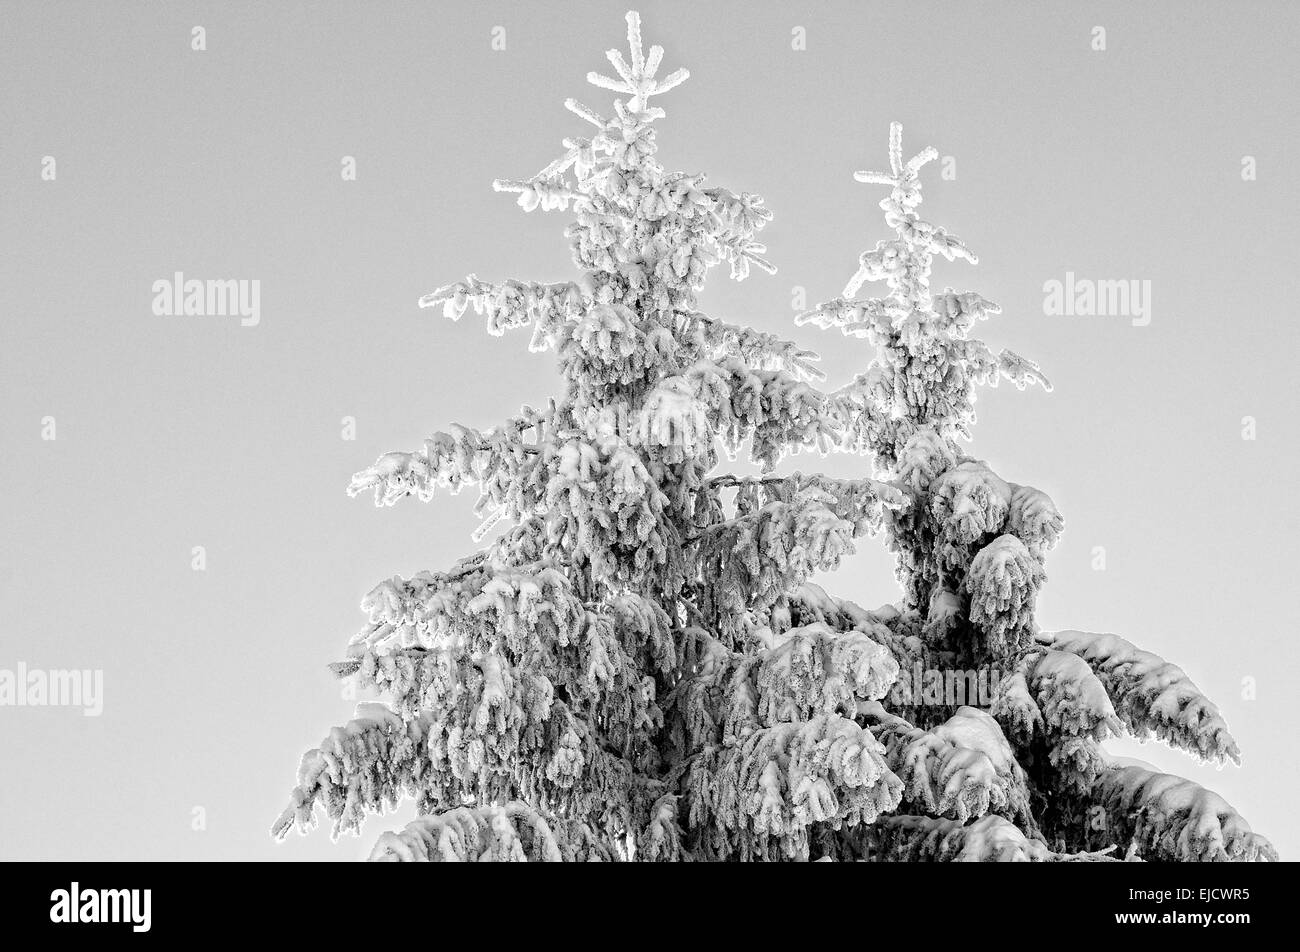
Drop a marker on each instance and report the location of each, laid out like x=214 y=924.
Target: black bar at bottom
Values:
x=939 y=903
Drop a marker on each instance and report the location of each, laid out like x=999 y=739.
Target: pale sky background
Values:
x=174 y=432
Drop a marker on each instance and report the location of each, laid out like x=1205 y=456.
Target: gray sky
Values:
x=175 y=432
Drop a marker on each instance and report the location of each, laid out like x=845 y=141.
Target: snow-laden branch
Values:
x=1076 y=712
x=365 y=766
x=1175 y=820
x=462 y=456
x=513 y=833
x=752 y=560
x=991 y=839
x=760 y=798
x=962 y=769
x=509 y=304
x=756 y=348
x=797 y=674
x=1151 y=695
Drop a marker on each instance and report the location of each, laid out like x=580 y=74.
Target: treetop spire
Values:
x=637 y=79
x=901 y=176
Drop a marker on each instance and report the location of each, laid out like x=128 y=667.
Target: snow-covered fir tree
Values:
x=634 y=669
x=1028 y=778
x=639 y=666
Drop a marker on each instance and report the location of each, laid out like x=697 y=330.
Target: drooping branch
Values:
x=1152 y=696
x=1173 y=819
